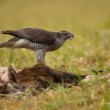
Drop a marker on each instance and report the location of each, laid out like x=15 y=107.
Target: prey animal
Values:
x=38 y=40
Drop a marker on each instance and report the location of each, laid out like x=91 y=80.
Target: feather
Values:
x=34 y=35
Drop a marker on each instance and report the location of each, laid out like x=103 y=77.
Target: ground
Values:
x=88 y=53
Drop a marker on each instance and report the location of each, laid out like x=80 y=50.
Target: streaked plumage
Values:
x=38 y=40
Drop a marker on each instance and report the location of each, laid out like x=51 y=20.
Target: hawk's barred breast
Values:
x=23 y=43
x=46 y=47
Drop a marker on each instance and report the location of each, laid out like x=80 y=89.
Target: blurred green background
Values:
x=53 y=14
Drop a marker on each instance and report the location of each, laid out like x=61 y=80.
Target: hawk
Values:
x=38 y=40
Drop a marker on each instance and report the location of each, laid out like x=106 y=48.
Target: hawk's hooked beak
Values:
x=72 y=37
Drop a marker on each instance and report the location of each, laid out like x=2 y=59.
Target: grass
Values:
x=89 y=21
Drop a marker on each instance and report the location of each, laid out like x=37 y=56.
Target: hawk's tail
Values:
x=10 y=32
x=3 y=45
x=7 y=45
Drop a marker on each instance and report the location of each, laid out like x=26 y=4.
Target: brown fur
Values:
x=44 y=73
x=37 y=77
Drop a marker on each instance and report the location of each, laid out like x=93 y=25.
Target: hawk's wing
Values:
x=34 y=35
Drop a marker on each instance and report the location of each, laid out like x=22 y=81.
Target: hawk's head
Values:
x=66 y=35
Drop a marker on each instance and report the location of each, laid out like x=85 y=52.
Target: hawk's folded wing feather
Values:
x=34 y=35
